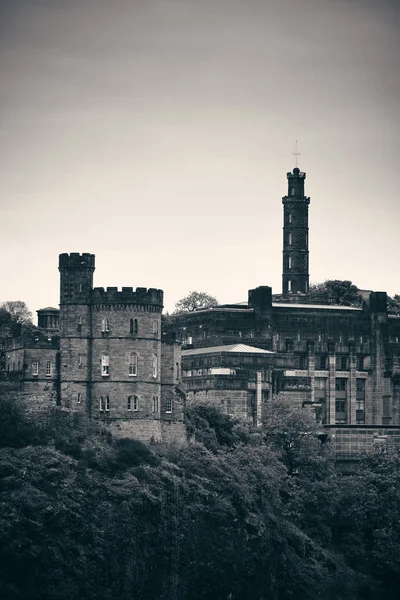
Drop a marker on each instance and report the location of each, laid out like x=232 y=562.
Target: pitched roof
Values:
x=238 y=348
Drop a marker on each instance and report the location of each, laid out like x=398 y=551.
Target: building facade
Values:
x=343 y=362
x=101 y=354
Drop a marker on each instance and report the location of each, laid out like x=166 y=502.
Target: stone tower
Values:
x=76 y=285
x=295 y=272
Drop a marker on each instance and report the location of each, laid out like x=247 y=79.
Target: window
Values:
x=292 y=191
x=168 y=405
x=80 y=360
x=107 y=403
x=303 y=361
x=133 y=364
x=101 y=404
x=79 y=398
x=133 y=403
x=48 y=369
x=105 y=365
x=13 y=366
x=321 y=362
x=80 y=288
x=289 y=285
x=340 y=406
x=155 y=403
x=155 y=326
x=360 y=404
x=342 y=363
x=177 y=370
x=360 y=363
x=155 y=366
x=35 y=368
x=105 y=325
x=289 y=217
x=136 y=327
x=289 y=238
x=340 y=385
x=289 y=262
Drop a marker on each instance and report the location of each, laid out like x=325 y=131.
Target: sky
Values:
x=157 y=134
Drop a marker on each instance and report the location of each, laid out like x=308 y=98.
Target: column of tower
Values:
x=295 y=272
x=76 y=284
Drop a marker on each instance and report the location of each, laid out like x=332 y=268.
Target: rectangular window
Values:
x=133 y=359
x=105 y=365
x=289 y=262
x=155 y=403
x=289 y=217
x=177 y=370
x=340 y=385
x=360 y=363
x=322 y=362
x=107 y=403
x=289 y=285
x=303 y=360
x=48 y=369
x=136 y=327
x=80 y=359
x=133 y=403
x=131 y=326
x=342 y=363
x=79 y=398
x=155 y=366
x=80 y=288
x=105 y=325
x=340 y=406
x=168 y=405
x=35 y=368
x=101 y=404
x=289 y=238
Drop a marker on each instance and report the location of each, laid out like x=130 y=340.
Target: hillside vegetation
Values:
x=238 y=514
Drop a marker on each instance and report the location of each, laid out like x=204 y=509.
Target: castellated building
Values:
x=102 y=354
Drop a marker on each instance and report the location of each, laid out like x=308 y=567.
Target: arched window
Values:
x=133 y=359
x=155 y=366
x=105 y=324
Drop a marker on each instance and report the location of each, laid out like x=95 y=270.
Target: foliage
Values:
x=394 y=304
x=343 y=293
x=195 y=301
x=14 y=315
x=231 y=516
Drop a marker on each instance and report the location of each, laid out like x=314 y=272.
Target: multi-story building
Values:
x=106 y=357
x=343 y=361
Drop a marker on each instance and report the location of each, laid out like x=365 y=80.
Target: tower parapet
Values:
x=141 y=296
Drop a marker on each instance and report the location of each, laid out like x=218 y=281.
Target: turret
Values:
x=76 y=277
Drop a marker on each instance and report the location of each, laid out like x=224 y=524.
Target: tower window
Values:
x=105 y=365
x=289 y=285
x=155 y=366
x=80 y=360
x=79 y=398
x=136 y=327
x=131 y=326
x=107 y=403
x=133 y=364
x=177 y=370
x=105 y=325
x=133 y=403
x=292 y=191
x=155 y=326
x=289 y=262
x=155 y=403
x=101 y=404
x=289 y=238
x=35 y=368
x=289 y=217
x=80 y=288
x=168 y=405
x=48 y=369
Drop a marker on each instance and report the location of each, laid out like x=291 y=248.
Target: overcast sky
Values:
x=157 y=134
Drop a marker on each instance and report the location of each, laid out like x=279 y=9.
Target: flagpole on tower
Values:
x=296 y=153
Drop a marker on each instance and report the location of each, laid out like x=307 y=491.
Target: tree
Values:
x=195 y=301
x=336 y=291
x=14 y=314
x=394 y=305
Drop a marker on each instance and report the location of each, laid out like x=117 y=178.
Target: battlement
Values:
x=75 y=260
x=127 y=295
